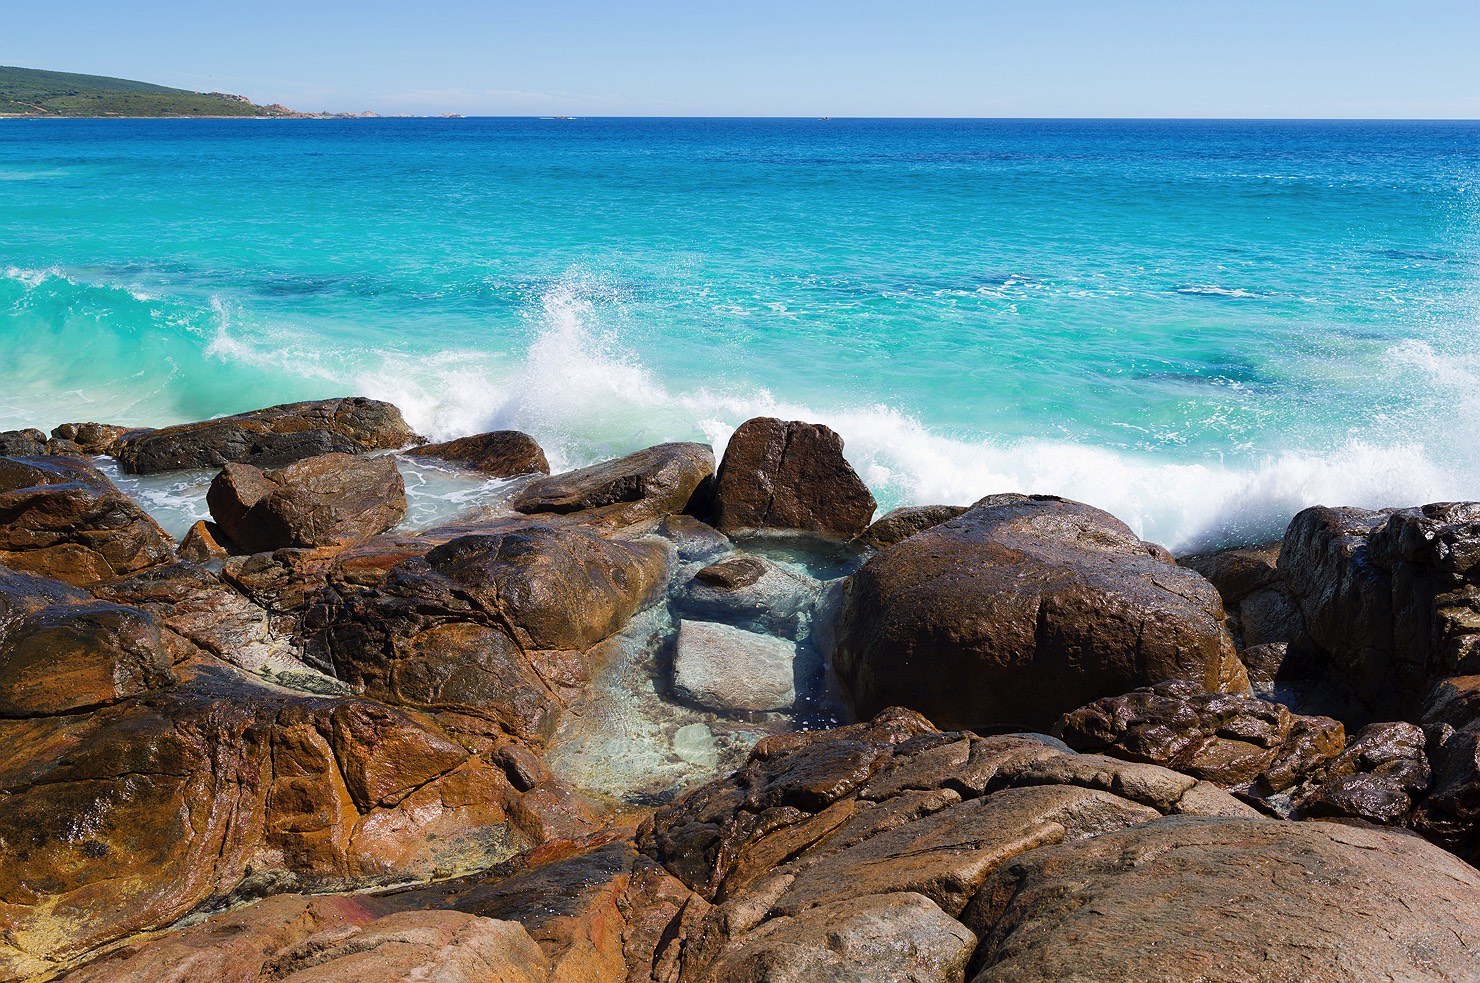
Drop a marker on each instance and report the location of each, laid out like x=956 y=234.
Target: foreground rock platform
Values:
x=581 y=734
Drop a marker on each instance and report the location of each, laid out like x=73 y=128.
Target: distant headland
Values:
x=36 y=93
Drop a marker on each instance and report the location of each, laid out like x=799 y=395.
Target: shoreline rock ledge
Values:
x=578 y=734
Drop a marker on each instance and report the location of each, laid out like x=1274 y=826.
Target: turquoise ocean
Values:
x=1199 y=326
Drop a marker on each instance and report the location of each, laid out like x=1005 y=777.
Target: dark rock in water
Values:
x=752 y=592
x=1021 y=610
x=502 y=453
x=204 y=542
x=22 y=443
x=650 y=483
x=789 y=475
x=1206 y=898
x=94 y=438
x=900 y=524
x=330 y=500
x=491 y=626
x=60 y=517
x=268 y=438
x=1389 y=597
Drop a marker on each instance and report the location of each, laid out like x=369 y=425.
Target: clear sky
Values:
x=1262 y=58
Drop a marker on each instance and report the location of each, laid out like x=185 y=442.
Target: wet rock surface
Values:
x=789 y=475
x=269 y=438
x=1021 y=609
x=577 y=735
x=650 y=483
x=501 y=453
x=329 y=500
x=60 y=517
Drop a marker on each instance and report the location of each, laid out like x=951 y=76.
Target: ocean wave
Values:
x=1205 y=290
x=585 y=397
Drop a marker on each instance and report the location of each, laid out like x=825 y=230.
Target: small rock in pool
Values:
x=724 y=668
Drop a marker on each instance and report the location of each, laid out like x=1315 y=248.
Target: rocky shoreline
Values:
x=601 y=726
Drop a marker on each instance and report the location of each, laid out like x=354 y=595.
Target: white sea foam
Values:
x=584 y=399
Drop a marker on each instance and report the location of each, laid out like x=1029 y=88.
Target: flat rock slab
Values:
x=652 y=482
x=724 y=668
x=270 y=437
x=1201 y=898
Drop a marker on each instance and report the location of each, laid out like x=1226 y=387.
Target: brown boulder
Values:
x=1020 y=610
x=502 y=453
x=271 y=437
x=1209 y=898
x=789 y=475
x=91 y=438
x=653 y=482
x=60 y=517
x=329 y=500
x=22 y=443
x=202 y=543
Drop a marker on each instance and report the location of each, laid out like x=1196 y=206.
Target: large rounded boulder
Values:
x=791 y=475
x=1022 y=609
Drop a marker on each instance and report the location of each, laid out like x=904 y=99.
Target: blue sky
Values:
x=1296 y=58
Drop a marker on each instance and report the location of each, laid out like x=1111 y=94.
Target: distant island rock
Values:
x=37 y=93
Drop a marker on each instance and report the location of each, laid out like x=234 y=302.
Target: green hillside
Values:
x=34 y=92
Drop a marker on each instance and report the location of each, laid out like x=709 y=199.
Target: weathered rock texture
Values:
x=501 y=453
x=91 y=438
x=491 y=626
x=650 y=483
x=269 y=438
x=329 y=500
x=1022 y=609
x=61 y=517
x=1205 y=898
x=789 y=475
x=1390 y=597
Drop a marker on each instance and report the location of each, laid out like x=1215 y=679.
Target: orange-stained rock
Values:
x=60 y=517
x=296 y=939
x=502 y=453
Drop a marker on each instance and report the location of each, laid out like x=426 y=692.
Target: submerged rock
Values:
x=1022 y=609
x=268 y=438
x=650 y=483
x=752 y=592
x=729 y=669
x=60 y=517
x=789 y=475
x=501 y=453
x=329 y=500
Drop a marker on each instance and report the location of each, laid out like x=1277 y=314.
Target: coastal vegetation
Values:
x=36 y=92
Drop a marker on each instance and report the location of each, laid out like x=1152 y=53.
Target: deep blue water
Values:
x=1201 y=326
